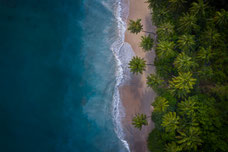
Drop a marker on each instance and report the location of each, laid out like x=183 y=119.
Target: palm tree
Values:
x=221 y=17
x=205 y=54
x=186 y=42
x=188 y=107
x=172 y=147
x=190 y=139
x=160 y=104
x=146 y=43
x=135 y=26
x=184 y=63
x=210 y=37
x=182 y=84
x=165 y=30
x=170 y=122
x=176 y=4
x=139 y=120
x=165 y=49
x=198 y=8
x=154 y=81
x=137 y=65
x=187 y=23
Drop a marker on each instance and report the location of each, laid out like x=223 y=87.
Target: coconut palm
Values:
x=187 y=23
x=221 y=17
x=210 y=37
x=137 y=65
x=176 y=4
x=198 y=8
x=186 y=42
x=135 y=26
x=182 y=84
x=190 y=139
x=205 y=54
x=184 y=63
x=172 y=147
x=154 y=81
x=139 y=120
x=188 y=107
x=165 y=30
x=165 y=49
x=170 y=122
x=146 y=43
x=160 y=104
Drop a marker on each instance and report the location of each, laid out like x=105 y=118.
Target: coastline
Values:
x=136 y=97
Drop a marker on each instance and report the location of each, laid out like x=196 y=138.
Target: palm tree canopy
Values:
x=210 y=37
x=221 y=17
x=154 y=81
x=198 y=8
x=160 y=104
x=176 y=4
x=135 y=26
x=172 y=147
x=187 y=23
x=184 y=63
x=186 y=42
x=165 y=49
x=139 y=120
x=165 y=30
x=182 y=84
x=146 y=43
x=205 y=54
x=137 y=65
x=188 y=107
x=170 y=121
x=190 y=139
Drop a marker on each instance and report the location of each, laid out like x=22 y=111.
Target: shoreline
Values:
x=135 y=96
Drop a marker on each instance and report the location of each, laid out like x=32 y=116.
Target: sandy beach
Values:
x=135 y=94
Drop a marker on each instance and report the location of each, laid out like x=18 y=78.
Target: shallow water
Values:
x=58 y=76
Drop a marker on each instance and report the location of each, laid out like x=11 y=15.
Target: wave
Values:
x=123 y=54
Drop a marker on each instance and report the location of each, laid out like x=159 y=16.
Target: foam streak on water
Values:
x=123 y=53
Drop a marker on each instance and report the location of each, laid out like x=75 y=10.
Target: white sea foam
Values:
x=123 y=54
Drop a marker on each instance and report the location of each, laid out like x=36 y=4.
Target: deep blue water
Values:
x=57 y=76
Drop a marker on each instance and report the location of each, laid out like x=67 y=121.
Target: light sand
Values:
x=135 y=94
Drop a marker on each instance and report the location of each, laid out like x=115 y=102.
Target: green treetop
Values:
x=154 y=81
x=198 y=8
x=221 y=17
x=137 y=65
x=135 y=26
x=182 y=84
x=186 y=42
x=165 y=49
x=170 y=122
x=188 y=107
x=160 y=104
x=190 y=139
x=183 y=62
x=187 y=23
x=139 y=120
x=172 y=147
x=146 y=43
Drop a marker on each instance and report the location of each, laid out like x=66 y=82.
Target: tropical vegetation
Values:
x=191 y=107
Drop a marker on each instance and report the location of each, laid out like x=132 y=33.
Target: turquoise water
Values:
x=58 y=76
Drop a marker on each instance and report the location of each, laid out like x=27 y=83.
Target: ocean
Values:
x=61 y=64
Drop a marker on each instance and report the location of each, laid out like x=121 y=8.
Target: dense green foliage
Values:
x=192 y=61
x=190 y=112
